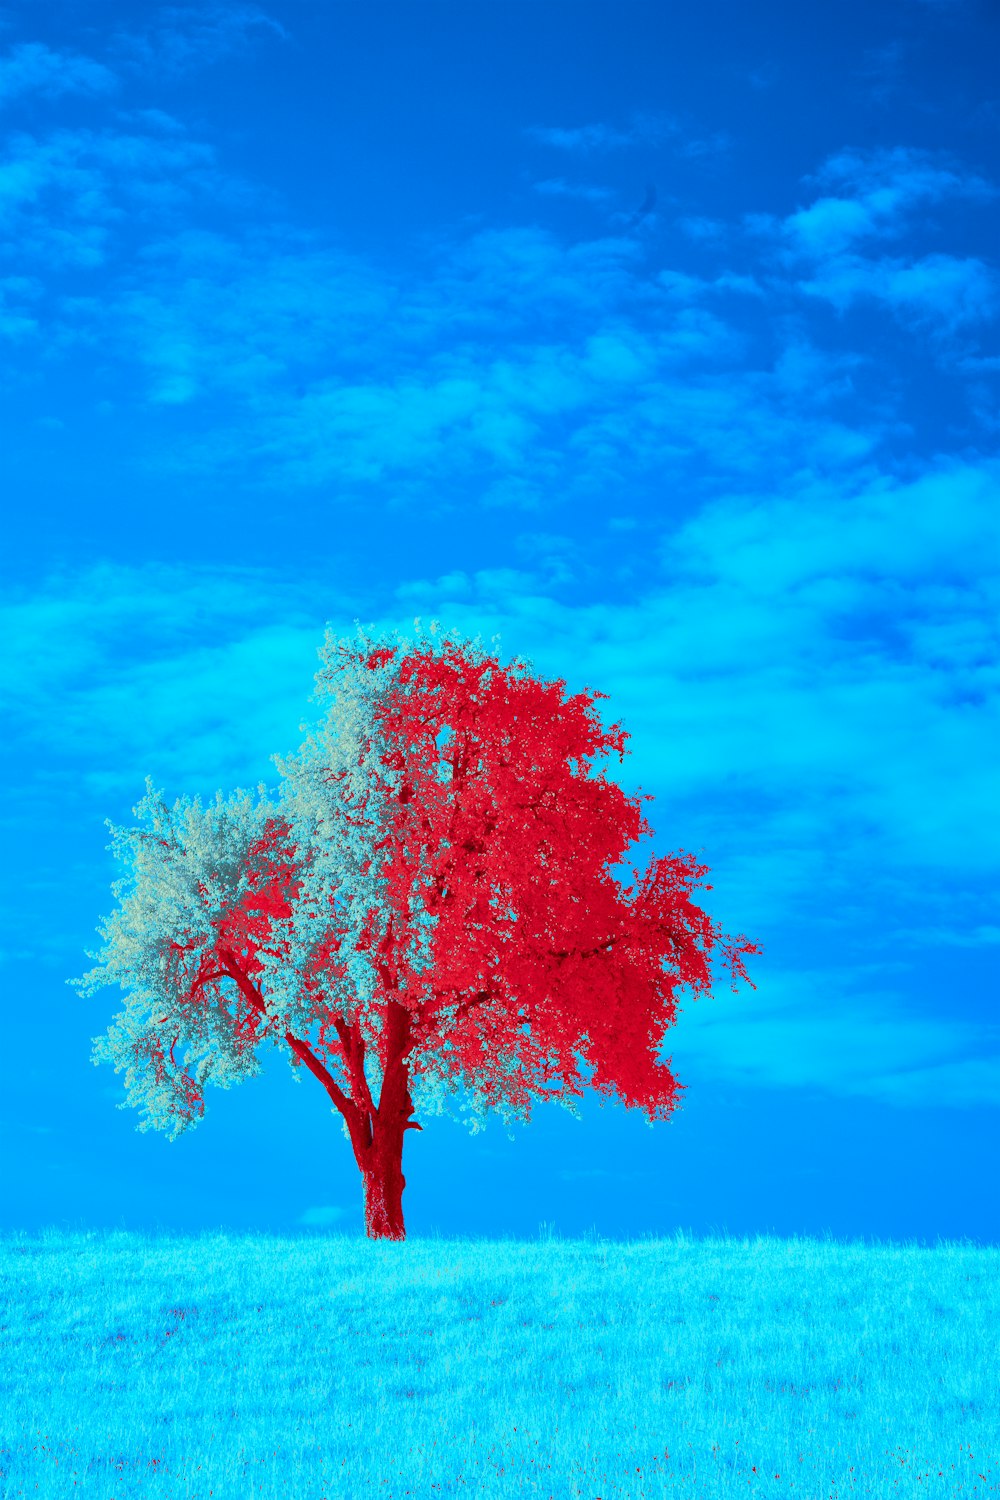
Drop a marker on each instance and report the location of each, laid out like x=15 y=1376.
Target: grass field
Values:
x=234 y=1366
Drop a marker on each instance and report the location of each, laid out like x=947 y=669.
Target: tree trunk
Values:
x=381 y=1158
x=384 y=1183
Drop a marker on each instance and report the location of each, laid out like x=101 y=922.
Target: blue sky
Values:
x=659 y=341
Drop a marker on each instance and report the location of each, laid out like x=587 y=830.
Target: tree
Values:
x=427 y=906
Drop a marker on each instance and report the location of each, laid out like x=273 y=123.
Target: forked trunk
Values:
x=378 y=1134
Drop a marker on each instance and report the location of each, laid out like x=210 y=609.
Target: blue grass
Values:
x=325 y=1368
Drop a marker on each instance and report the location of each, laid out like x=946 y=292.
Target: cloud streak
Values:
x=586 y=192
x=183 y=38
x=877 y=195
x=564 y=361
x=942 y=291
x=600 y=138
x=31 y=68
x=526 y=365
x=77 y=197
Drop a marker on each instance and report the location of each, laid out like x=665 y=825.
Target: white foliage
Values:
x=187 y=868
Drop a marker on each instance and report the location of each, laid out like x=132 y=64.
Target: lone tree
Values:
x=426 y=906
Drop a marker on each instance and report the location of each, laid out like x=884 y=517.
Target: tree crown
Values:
x=438 y=844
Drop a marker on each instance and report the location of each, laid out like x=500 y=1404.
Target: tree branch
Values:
x=353 y=1044
x=465 y=1006
x=357 y=1121
x=246 y=987
x=346 y=1105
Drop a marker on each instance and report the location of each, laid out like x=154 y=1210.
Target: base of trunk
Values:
x=384 y=1205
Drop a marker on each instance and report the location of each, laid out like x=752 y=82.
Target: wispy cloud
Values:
x=181 y=38
x=512 y=359
x=764 y=77
x=881 y=71
x=143 y=652
x=810 y=643
x=642 y=129
x=943 y=291
x=984 y=936
x=322 y=1214
x=878 y=194
x=558 y=187
x=846 y=1030
x=32 y=68
x=252 y=318
x=67 y=196
x=702 y=230
x=560 y=361
x=18 y=294
x=580 y=137
x=878 y=191
x=715 y=144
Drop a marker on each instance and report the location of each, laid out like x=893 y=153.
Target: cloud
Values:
x=528 y=279
x=510 y=365
x=558 y=187
x=701 y=229
x=834 y=1029
x=687 y=288
x=643 y=129
x=68 y=197
x=509 y=360
x=881 y=71
x=17 y=293
x=181 y=38
x=580 y=137
x=943 y=290
x=879 y=189
x=159 y=672
x=764 y=77
x=984 y=936
x=153 y=119
x=797 y=627
x=812 y=698
x=33 y=68
x=716 y=144
x=212 y=315
x=323 y=1214
x=272 y=314
x=549 y=363
x=878 y=192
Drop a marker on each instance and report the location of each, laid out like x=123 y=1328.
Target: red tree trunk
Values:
x=384 y=1183
x=381 y=1158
